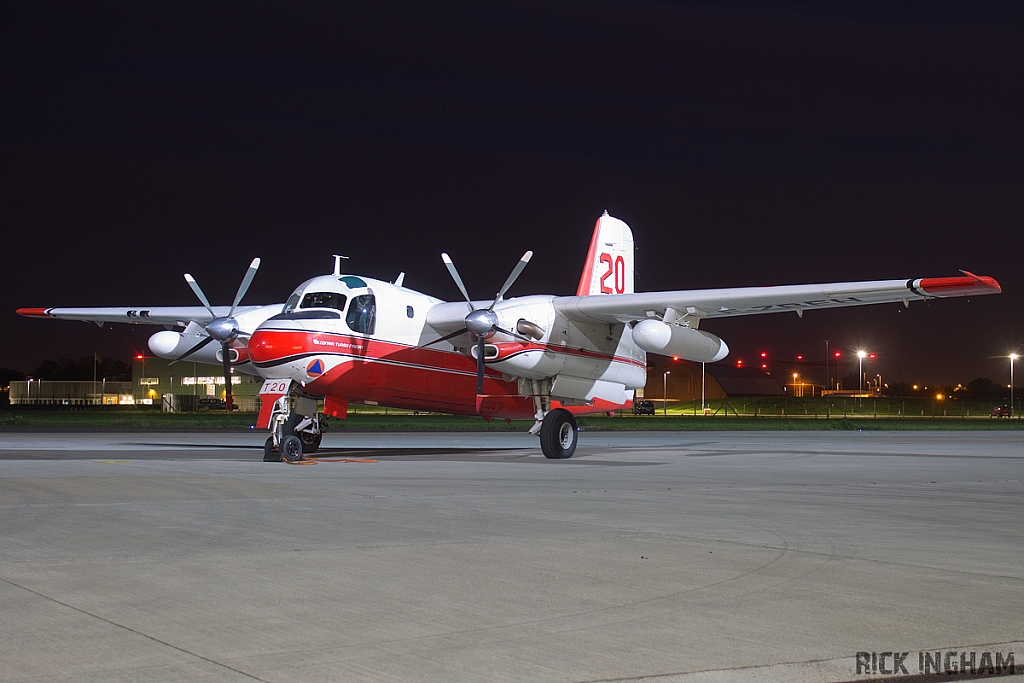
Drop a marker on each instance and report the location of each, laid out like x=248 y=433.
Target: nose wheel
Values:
x=291 y=448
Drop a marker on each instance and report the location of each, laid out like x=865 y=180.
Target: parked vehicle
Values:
x=1001 y=411
x=215 y=404
x=643 y=407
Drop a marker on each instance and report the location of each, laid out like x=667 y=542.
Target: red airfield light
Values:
x=675 y=358
x=139 y=357
x=839 y=354
x=739 y=362
x=764 y=354
x=871 y=356
x=764 y=366
x=800 y=357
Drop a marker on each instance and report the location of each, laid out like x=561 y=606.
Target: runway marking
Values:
x=113 y=462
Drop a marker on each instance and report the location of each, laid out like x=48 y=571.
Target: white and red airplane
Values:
x=349 y=339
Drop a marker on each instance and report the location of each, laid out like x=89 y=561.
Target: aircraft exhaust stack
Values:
x=654 y=336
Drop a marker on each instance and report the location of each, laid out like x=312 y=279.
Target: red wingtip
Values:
x=968 y=285
x=33 y=312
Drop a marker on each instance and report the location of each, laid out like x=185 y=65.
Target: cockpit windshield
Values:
x=324 y=300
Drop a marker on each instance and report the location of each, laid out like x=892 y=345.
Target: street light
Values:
x=1013 y=356
x=795 y=375
x=664 y=393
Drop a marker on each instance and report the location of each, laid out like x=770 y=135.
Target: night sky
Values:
x=744 y=143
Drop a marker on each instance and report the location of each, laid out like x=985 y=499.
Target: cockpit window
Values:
x=292 y=302
x=324 y=300
x=362 y=314
x=352 y=282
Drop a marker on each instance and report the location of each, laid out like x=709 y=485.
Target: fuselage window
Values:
x=362 y=314
x=409 y=313
x=324 y=300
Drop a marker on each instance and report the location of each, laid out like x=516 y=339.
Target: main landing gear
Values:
x=294 y=430
x=557 y=428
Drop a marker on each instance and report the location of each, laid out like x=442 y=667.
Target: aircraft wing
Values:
x=175 y=316
x=721 y=303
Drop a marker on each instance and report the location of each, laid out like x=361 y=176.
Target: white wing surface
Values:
x=721 y=303
x=174 y=316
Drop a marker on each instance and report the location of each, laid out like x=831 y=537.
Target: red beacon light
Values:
x=871 y=356
x=800 y=357
x=764 y=354
x=839 y=354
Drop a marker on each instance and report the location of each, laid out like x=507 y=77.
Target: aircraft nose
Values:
x=265 y=346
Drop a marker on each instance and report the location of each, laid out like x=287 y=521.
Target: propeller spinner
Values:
x=223 y=329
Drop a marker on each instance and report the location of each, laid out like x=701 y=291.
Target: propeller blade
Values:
x=225 y=346
x=512 y=278
x=480 y=366
x=192 y=350
x=444 y=338
x=199 y=293
x=458 y=279
x=244 y=287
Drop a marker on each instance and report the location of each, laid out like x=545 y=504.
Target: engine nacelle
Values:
x=655 y=336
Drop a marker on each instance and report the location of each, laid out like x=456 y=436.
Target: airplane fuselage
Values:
x=368 y=341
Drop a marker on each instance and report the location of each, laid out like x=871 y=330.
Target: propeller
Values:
x=223 y=329
x=482 y=323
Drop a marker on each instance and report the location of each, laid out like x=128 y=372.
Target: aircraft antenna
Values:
x=337 y=264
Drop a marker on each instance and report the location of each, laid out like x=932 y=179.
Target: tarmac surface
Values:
x=744 y=556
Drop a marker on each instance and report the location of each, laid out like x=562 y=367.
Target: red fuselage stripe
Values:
x=398 y=375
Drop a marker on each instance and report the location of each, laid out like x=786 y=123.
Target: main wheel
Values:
x=291 y=448
x=271 y=454
x=310 y=441
x=558 y=434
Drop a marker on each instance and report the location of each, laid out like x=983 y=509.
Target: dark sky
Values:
x=745 y=144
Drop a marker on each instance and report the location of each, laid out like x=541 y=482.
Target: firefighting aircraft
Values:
x=342 y=339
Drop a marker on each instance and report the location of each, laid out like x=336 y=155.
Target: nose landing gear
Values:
x=294 y=430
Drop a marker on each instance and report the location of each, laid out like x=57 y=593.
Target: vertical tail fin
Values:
x=609 y=266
